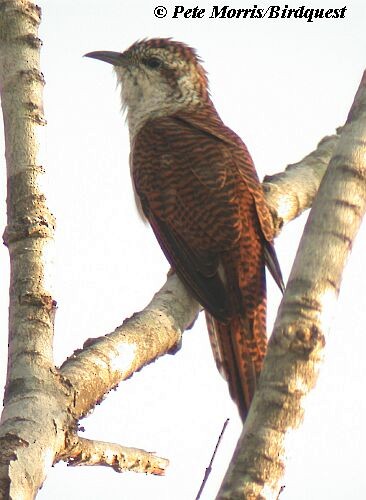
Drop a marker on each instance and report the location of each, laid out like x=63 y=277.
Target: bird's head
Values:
x=158 y=76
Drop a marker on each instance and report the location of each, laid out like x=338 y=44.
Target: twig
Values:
x=209 y=468
x=282 y=489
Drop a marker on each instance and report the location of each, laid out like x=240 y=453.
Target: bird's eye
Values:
x=153 y=62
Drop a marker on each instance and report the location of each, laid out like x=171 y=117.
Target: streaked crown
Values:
x=158 y=77
x=176 y=59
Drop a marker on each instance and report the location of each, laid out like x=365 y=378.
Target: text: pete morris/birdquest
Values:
x=255 y=12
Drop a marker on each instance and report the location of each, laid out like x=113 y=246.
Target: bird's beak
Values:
x=115 y=58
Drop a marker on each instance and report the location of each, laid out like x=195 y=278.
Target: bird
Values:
x=196 y=184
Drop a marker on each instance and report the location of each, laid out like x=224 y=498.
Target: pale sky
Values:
x=281 y=85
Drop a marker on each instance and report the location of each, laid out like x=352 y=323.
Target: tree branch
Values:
x=296 y=347
x=36 y=423
x=106 y=361
x=120 y=458
x=27 y=433
x=292 y=191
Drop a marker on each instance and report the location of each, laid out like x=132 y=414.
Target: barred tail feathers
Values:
x=239 y=347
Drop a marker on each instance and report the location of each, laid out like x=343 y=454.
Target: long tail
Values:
x=239 y=347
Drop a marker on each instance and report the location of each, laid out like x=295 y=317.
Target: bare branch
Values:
x=296 y=347
x=105 y=361
x=120 y=458
x=27 y=433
